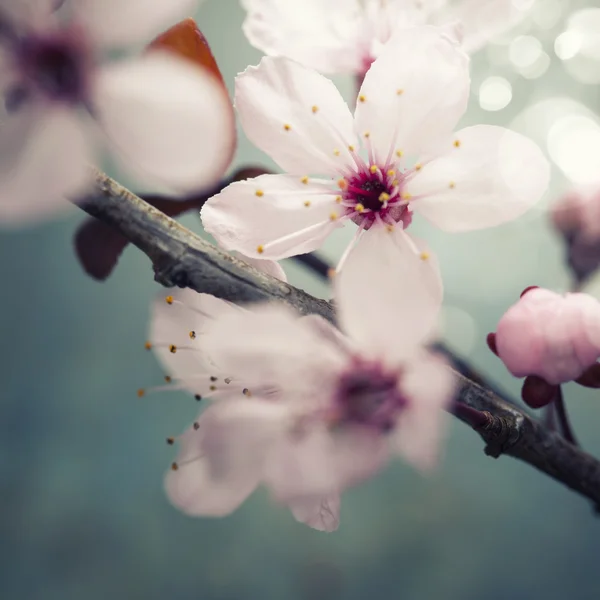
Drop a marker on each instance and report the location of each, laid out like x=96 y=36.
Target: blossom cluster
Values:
x=296 y=404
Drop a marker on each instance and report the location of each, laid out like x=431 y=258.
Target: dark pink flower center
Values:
x=373 y=194
x=56 y=67
x=369 y=396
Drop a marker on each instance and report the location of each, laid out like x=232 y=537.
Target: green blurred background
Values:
x=82 y=510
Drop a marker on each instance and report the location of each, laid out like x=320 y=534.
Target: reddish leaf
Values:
x=186 y=40
x=537 y=392
x=491 y=342
x=590 y=378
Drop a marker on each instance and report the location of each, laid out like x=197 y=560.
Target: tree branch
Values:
x=181 y=258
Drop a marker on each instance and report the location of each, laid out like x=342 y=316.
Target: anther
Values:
x=213 y=378
x=304 y=180
x=406 y=196
x=418 y=167
x=174 y=467
x=336 y=152
x=374 y=169
x=338 y=199
x=359 y=208
x=399 y=153
x=170 y=441
x=196 y=426
x=452 y=185
x=192 y=335
x=399 y=92
x=424 y=256
x=168 y=379
x=391 y=173
x=331 y=272
x=351 y=148
x=315 y=109
x=342 y=184
x=384 y=197
x=246 y=392
x=333 y=216
x=367 y=134
x=197 y=397
x=457 y=143
x=213 y=388
x=172 y=348
x=148 y=346
x=307 y=203
x=287 y=127
x=259 y=193
x=260 y=249
x=169 y=300
x=227 y=380
x=390 y=228
x=141 y=393
x=362 y=98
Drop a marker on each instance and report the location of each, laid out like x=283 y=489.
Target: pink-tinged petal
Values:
x=405 y=104
x=222 y=459
x=296 y=116
x=272 y=216
x=429 y=386
x=115 y=23
x=270 y=345
x=318 y=461
x=44 y=158
x=319 y=36
x=482 y=20
x=170 y=122
x=28 y=13
x=388 y=294
x=268 y=267
x=321 y=512
x=182 y=322
x=519 y=335
x=487 y=176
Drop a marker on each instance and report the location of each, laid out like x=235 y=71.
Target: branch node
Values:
x=500 y=433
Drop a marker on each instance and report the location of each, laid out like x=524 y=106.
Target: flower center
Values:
x=55 y=66
x=369 y=396
x=373 y=194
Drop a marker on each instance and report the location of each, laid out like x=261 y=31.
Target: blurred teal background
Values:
x=82 y=511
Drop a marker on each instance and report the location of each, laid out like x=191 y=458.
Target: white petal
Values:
x=319 y=36
x=131 y=22
x=270 y=345
x=171 y=324
x=493 y=176
x=268 y=267
x=320 y=461
x=429 y=387
x=414 y=92
x=296 y=116
x=483 y=19
x=221 y=463
x=44 y=158
x=319 y=512
x=170 y=121
x=265 y=209
x=388 y=294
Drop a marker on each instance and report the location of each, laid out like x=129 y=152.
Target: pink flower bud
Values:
x=552 y=336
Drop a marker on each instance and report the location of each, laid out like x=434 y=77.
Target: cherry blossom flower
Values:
x=323 y=410
x=345 y=36
x=576 y=216
x=62 y=101
x=406 y=110
x=550 y=336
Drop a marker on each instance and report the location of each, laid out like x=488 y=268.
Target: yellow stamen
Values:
x=259 y=193
x=260 y=249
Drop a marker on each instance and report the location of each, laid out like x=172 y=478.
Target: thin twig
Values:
x=181 y=258
x=563 y=418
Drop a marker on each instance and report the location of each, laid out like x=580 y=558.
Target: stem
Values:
x=563 y=419
x=181 y=258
